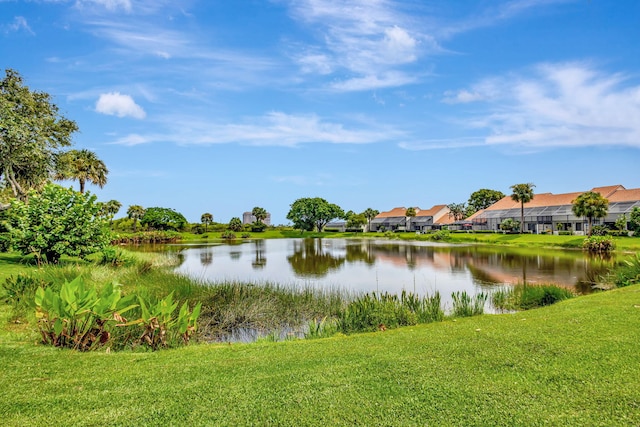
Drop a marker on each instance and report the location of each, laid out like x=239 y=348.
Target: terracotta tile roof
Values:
x=401 y=212
x=395 y=212
x=431 y=212
x=614 y=193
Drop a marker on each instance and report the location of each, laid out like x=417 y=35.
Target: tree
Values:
x=482 y=199
x=206 y=219
x=82 y=165
x=235 y=224
x=163 y=219
x=309 y=213
x=410 y=213
x=355 y=221
x=56 y=222
x=135 y=212
x=634 y=220
x=457 y=211
x=591 y=205
x=370 y=214
x=31 y=132
x=522 y=193
x=111 y=208
x=259 y=213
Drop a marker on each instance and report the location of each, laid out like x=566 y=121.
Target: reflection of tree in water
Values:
x=260 y=259
x=360 y=252
x=235 y=255
x=206 y=257
x=309 y=259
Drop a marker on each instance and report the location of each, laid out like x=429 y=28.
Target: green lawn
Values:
x=575 y=363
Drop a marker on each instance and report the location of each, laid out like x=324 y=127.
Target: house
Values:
x=548 y=212
x=425 y=219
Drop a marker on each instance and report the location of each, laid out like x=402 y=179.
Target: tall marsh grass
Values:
x=371 y=312
x=464 y=305
x=526 y=297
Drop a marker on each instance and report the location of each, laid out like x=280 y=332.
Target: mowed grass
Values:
x=576 y=363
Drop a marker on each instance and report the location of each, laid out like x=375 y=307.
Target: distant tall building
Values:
x=248 y=218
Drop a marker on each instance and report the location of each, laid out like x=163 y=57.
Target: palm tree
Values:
x=111 y=208
x=590 y=205
x=522 y=193
x=135 y=212
x=410 y=213
x=457 y=211
x=206 y=219
x=82 y=165
x=370 y=214
x=259 y=213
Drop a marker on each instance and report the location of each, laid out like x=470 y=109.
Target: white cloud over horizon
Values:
x=117 y=104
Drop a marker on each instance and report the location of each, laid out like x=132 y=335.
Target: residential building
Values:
x=425 y=219
x=548 y=212
x=248 y=218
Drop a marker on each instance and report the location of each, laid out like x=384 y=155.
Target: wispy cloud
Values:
x=108 y=4
x=117 y=104
x=19 y=23
x=556 y=105
x=368 y=38
x=273 y=129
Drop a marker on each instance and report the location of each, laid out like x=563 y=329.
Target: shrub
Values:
x=598 y=244
x=5 y=242
x=115 y=257
x=440 y=235
x=229 y=235
x=245 y=235
x=599 y=230
x=77 y=317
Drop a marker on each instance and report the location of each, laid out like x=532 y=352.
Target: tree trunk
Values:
x=81 y=186
x=521 y=217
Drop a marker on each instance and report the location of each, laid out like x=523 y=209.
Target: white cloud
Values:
x=19 y=24
x=272 y=129
x=116 y=104
x=111 y=5
x=366 y=82
x=558 y=105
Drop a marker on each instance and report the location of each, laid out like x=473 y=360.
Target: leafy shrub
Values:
x=163 y=219
x=77 y=317
x=245 y=235
x=525 y=297
x=565 y=233
x=618 y=233
x=143 y=237
x=229 y=235
x=440 y=235
x=161 y=326
x=58 y=221
x=465 y=306
x=258 y=227
x=598 y=244
x=197 y=229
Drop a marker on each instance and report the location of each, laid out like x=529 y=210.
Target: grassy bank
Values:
x=623 y=244
x=575 y=363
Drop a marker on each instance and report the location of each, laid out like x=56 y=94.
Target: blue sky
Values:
x=219 y=106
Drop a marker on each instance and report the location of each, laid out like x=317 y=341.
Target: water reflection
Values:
x=387 y=266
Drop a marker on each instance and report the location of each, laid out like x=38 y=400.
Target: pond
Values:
x=370 y=265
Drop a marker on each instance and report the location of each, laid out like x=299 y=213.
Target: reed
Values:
x=527 y=296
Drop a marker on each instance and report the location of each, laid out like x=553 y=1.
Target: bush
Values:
x=5 y=242
x=599 y=230
x=228 y=235
x=258 y=227
x=598 y=244
x=565 y=233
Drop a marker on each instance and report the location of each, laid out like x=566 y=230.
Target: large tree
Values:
x=83 y=166
x=590 y=205
x=110 y=209
x=135 y=212
x=58 y=221
x=235 y=224
x=482 y=199
x=522 y=193
x=31 y=132
x=370 y=214
x=309 y=213
x=163 y=219
x=206 y=219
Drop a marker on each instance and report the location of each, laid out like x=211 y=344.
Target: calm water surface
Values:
x=387 y=266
